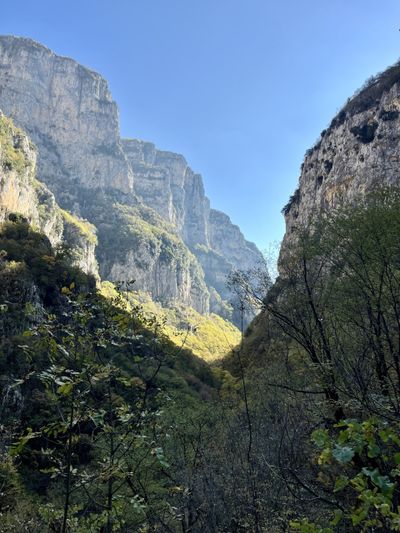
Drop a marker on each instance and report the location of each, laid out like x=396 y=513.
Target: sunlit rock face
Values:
x=358 y=152
x=153 y=220
x=21 y=193
x=164 y=181
x=68 y=112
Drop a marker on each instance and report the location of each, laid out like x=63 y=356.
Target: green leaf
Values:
x=338 y=515
x=341 y=483
x=18 y=446
x=320 y=437
x=65 y=388
x=374 y=450
x=343 y=454
x=358 y=516
x=382 y=482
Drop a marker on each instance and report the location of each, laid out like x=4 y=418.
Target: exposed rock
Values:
x=164 y=181
x=22 y=193
x=359 y=152
x=81 y=236
x=68 y=111
x=136 y=244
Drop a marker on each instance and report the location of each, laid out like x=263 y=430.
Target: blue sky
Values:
x=240 y=87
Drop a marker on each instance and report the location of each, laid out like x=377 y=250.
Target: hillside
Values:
x=154 y=223
x=358 y=152
x=121 y=409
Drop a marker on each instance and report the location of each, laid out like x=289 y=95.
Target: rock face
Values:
x=153 y=220
x=164 y=181
x=68 y=113
x=358 y=152
x=21 y=193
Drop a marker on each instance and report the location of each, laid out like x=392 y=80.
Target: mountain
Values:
x=153 y=220
x=22 y=193
x=359 y=151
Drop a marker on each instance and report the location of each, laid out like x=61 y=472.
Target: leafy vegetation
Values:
x=83 y=227
x=127 y=431
x=207 y=336
x=105 y=388
x=13 y=158
x=293 y=200
x=329 y=338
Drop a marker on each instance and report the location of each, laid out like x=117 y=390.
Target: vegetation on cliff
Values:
x=324 y=353
x=12 y=157
x=89 y=394
x=107 y=425
x=207 y=336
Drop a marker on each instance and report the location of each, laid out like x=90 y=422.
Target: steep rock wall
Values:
x=21 y=193
x=69 y=113
x=164 y=181
x=357 y=153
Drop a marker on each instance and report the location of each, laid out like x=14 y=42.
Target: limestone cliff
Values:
x=21 y=193
x=359 y=151
x=153 y=220
x=68 y=112
x=164 y=181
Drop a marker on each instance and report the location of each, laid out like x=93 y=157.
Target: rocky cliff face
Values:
x=68 y=113
x=21 y=193
x=164 y=181
x=358 y=152
x=154 y=223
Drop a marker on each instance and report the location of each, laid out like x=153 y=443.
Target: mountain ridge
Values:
x=68 y=112
x=357 y=153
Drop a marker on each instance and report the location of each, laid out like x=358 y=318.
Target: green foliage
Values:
x=127 y=228
x=363 y=459
x=11 y=155
x=207 y=336
x=83 y=227
x=29 y=264
x=293 y=200
x=101 y=378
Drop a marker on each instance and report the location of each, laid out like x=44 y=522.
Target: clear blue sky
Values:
x=240 y=87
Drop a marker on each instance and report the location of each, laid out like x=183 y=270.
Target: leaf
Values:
x=320 y=437
x=340 y=483
x=63 y=350
x=343 y=454
x=18 y=446
x=65 y=388
x=338 y=515
x=160 y=457
x=382 y=482
x=358 y=516
x=374 y=450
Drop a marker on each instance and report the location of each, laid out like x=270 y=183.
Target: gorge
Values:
x=130 y=401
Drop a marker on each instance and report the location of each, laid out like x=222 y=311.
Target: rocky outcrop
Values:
x=21 y=193
x=81 y=236
x=136 y=244
x=164 y=181
x=357 y=153
x=68 y=112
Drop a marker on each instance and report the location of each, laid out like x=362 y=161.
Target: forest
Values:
x=108 y=426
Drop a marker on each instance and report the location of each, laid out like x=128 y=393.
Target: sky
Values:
x=241 y=88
